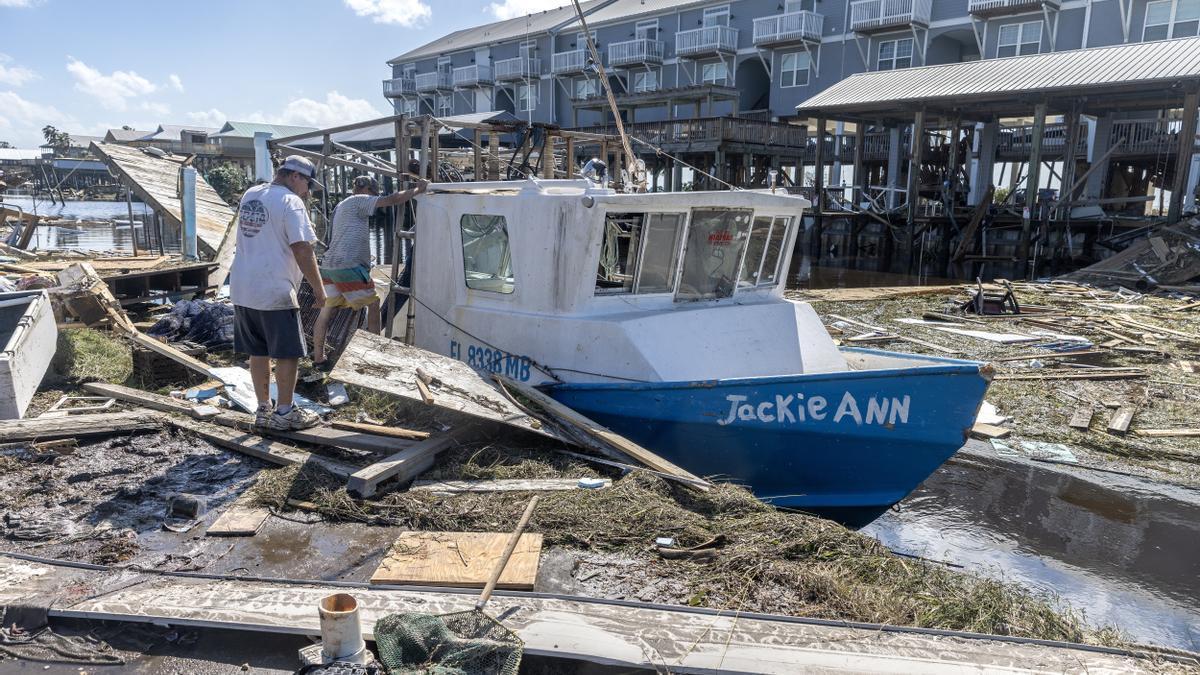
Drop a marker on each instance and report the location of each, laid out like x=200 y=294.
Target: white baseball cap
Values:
x=303 y=167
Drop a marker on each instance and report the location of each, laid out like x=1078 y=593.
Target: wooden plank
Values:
x=606 y=437
x=1119 y=423
x=1081 y=419
x=98 y=424
x=241 y=519
x=338 y=438
x=262 y=448
x=1074 y=375
x=380 y=430
x=1167 y=433
x=458 y=560
x=406 y=464
x=633 y=635
x=377 y=363
x=985 y=431
x=503 y=485
x=1047 y=356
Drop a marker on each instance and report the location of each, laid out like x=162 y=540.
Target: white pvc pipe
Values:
x=341 y=632
x=188 y=206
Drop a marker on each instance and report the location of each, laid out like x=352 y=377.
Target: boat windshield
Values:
x=763 y=251
x=640 y=253
x=716 y=240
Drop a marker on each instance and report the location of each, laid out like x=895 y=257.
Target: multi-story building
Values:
x=682 y=58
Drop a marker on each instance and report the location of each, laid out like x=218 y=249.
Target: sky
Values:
x=85 y=66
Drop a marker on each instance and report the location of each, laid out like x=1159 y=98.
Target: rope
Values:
x=659 y=151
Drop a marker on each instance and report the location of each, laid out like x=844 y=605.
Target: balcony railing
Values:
x=1018 y=141
x=804 y=26
x=872 y=15
x=635 y=51
x=1146 y=137
x=713 y=129
x=399 y=86
x=436 y=81
x=1002 y=7
x=477 y=75
x=520 y=68
x=707 y=40
x=574 y=61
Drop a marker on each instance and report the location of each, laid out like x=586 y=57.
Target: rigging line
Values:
x=630 y=158
x=660 y=151
x=487 y=151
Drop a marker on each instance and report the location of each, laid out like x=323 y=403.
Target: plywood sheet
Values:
x=461 y=559
x=241 y=519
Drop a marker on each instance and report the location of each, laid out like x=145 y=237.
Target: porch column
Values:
x=895 y=140
x=985 y=163
x=677 y=175
x=818 y=190
x=1183 y=156
x=839 y=133
x=1069 y=161
x=1031 y=187
x=914 y=183
x=860 y=176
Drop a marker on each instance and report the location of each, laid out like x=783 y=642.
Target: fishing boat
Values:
x=663 y=317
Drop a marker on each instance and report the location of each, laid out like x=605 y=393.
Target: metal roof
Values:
x=174 y=132
x=124 y=135
x=19 y=154
x=248 y=129
x=1153 y=69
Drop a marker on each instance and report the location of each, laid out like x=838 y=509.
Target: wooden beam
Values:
x=1119 y=423
x=1183 y=155
x=914 y=185
x=380 y=430
x=1081 y=419
x=1029 y=211
x=84 y=425
x=406 y=464
x=259 y=447
x=602 y=435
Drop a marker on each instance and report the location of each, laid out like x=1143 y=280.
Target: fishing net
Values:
x=199 y=321
x=461 y=643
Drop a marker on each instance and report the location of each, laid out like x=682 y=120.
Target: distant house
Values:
x=235 y=140
x=125 y=136
x=184 y=140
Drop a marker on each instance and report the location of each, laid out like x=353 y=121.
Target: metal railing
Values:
x=1007 y=6
x=472 y=76
x=867 y=15
x=574 y=61
x=635 y=51
x=519 y=68
x=434 y=81
x=399 y=86
x=792 y=27
x=707 y=40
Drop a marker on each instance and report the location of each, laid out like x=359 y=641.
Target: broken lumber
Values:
x=1081 y=419
x=1045 y=356
x=459 y=559
x=406 y=464
x=241 y=519
x=380 y=430
x=347 y=440
x=453 y=487
x=259 y=447
x=1096 y=374
x=1167 y=433
x=96 y=424
x=1119 y=423
x=602 y=439
x=984 y=432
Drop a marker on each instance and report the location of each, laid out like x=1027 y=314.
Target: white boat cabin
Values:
x=597 y=286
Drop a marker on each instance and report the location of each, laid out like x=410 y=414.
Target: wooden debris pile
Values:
x=1168 y=259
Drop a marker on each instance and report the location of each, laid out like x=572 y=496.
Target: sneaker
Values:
x=295 y=419
x=263 y=413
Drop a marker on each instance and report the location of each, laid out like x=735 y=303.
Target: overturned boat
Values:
x=662 y=316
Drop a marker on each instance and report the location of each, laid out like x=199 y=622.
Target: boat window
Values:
x=487 y=260
x=715 y=242
x=660 y=253
x=756 y=246
x=770 y=266
x=619 y=253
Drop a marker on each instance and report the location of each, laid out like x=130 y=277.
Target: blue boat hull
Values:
x=845 y=445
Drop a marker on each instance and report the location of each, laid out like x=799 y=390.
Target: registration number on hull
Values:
x=490 y=360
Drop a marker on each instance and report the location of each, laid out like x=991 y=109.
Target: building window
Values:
x=444 y=106
x=714 y=73
x=716 y=16
x=529 y=49
x=586 y=87
x=408 y=107
x=1171 y=19
x=1019 y=39
x=487 y=260
x=526 y=97
x=795 y=70
x=793 y=6
x=645 y=80
x=895 y=54
x=646 y=30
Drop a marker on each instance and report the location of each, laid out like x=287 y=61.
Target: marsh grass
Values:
x=89 y=355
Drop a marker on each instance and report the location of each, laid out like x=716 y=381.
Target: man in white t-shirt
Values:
x=346 y=266
x=274 y=252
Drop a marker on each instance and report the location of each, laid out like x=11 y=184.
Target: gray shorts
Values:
x=275 y=333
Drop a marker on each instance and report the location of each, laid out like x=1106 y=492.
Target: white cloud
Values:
x=176 y=83
x=17 y=3
x=510 y=9
x=400 y=12
x=334 y=110
x=208 y=118
x=113 y=90
x=21 y=120
x=14 y=75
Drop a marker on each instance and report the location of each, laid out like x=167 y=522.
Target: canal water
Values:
x=1124 y=552
x=91 y=236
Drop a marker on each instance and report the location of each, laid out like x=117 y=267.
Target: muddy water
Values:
x=86 y=236
x=1125 y=552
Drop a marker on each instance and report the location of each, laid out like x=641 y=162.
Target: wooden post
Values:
x=943 y=244
x=818 y=205
x=478 y=156
x=914 y=184
x=132 y=229
x=426 y=127
x=860 y=177
x=1068 y=177
x=493 y=155
x=1183 y=156
x=400 y=131
x=548 y=170
x=435 y=152
x=569 y=164
x=1031 y=187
